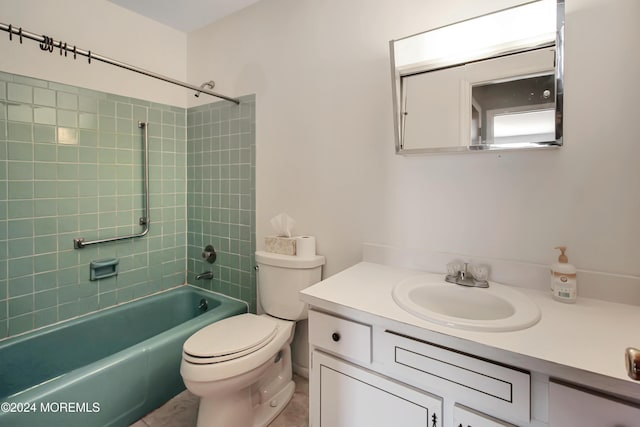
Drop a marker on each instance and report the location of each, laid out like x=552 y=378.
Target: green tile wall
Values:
x=221 y=196
x=71 y=166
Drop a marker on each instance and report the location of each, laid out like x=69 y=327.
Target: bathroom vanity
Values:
x=375 y=364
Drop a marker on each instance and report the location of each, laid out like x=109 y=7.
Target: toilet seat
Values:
x=196 y=372
x=229 y=339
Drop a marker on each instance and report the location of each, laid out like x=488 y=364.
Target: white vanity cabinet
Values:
x=368 y=375
x=364 y=376
x=369 y=354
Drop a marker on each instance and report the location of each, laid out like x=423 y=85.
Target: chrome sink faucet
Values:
x=458 y=273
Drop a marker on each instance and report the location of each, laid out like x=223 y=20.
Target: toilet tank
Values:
x=280 y=279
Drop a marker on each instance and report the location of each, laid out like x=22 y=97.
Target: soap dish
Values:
x=103 y=268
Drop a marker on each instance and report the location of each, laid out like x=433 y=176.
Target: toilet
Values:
x=241 y=367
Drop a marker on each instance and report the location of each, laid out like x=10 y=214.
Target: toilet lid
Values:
x=230 y=338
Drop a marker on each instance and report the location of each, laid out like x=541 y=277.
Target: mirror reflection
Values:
x=502 y=91
x=513 y=113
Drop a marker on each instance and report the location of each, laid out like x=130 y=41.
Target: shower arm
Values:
x=211 y=85
x=80 y=242
x=64 y=47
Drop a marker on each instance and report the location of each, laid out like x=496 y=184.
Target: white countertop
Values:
x=582 y=342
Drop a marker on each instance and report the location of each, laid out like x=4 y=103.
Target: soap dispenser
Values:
x=564 y=285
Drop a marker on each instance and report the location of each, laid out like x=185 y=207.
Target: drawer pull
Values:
x=343 y=337
x=632 y=360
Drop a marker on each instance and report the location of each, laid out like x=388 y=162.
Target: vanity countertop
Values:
x=583 y=342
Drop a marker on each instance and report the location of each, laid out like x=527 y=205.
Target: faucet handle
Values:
x=209 y=254
x=480 y=272
x=453 y=268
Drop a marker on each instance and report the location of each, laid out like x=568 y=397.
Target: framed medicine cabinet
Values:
x=494 y=82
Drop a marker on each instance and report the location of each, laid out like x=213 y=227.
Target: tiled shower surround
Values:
x=71 y=166
x=221 y=196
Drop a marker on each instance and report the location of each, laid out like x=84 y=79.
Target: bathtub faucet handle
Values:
x=209 y=254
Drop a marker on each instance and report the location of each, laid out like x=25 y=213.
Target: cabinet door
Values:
x=569 y=406
x=345 y=395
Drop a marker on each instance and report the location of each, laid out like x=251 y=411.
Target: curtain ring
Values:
x=51 y=41
x=10 y=33
x=74 y=51
x=45 y=43
x=20 y=34
x=89 y=56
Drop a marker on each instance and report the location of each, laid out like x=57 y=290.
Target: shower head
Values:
x=210 y=83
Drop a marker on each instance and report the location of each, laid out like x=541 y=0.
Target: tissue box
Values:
x=280 y=245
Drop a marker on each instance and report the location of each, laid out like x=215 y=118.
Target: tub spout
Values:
x=207 y=275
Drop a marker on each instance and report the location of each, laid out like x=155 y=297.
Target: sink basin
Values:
x=496 y=308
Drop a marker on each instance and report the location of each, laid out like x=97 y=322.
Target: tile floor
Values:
x=182 y=410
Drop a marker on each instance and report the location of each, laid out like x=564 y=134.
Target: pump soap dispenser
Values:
x=564 y=286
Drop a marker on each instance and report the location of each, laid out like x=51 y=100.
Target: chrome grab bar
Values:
x=80 y=242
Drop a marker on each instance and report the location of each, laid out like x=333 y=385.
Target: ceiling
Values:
x=184 y=15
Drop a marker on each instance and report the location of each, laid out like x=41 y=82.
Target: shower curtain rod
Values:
x=49 y=44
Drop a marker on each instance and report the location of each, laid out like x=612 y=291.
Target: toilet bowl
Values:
x=240 y=367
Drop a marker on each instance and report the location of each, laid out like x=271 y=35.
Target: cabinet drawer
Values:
x=339 y=336
x=481 y=384
x=465 y=417
x=572 y=406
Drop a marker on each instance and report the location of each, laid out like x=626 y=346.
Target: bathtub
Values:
x=108 y=368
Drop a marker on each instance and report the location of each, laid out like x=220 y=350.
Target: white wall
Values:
x=103 y=28
x=320 y=70
x=518 y=206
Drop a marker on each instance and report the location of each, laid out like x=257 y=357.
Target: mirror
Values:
x=494 y=82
